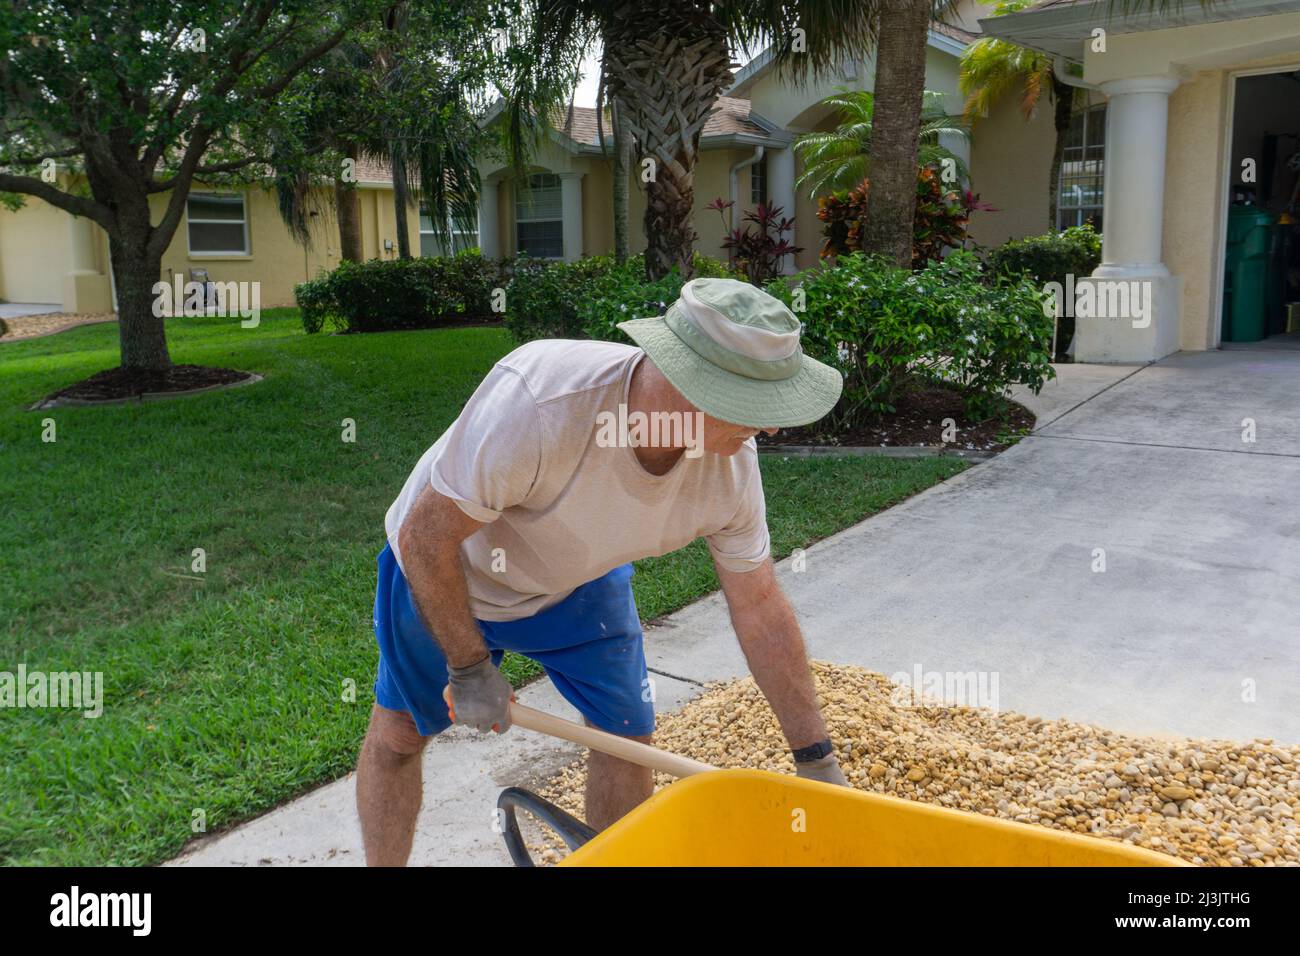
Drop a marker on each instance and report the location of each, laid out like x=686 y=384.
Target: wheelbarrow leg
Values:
x=572 y=830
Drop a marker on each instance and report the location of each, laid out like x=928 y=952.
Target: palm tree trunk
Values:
x=347 y=205
x=621 y=242
x=667 y=65
x=1064 y=113
x=899 y=92
x=401 y=202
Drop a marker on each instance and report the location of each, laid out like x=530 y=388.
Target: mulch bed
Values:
x=918 y=421
x=116 y=384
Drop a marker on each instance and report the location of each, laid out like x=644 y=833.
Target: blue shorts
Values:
x=589 y=645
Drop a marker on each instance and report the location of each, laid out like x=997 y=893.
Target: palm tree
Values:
x=430 y=146
x=622 y=244
x=399 y=94
x=663 y=68
x=899 y=92
x=992 y=69
x=841 y=158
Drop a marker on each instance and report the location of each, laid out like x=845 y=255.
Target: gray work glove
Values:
x=827 y=770
x=479 y=696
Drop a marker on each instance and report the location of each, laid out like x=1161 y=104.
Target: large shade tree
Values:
x=141 y=98
x=663 y=68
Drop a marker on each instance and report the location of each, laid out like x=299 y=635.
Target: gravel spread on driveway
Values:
x=1210 y=802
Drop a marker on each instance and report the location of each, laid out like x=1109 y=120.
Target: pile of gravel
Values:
x=1210 y=802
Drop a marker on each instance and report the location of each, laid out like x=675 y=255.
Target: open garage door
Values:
x=1261 y=292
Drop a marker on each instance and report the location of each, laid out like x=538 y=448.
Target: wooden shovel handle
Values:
x=630 y=750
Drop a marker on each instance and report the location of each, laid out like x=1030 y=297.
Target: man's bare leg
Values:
x=389 y=786
x=614 y=787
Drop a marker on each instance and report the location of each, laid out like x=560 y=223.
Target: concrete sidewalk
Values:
x=1191 y=629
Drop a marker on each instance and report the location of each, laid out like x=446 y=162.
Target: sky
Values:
x=586 y=92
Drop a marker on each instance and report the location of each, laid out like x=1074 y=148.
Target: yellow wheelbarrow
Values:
x=755 y=818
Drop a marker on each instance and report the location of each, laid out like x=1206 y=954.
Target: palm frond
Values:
x=841 y=158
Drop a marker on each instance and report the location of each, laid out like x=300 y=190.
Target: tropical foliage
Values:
x=663 y=67
x=841 y=158
x=758 y=247
x=940 y=222
x=992 y=69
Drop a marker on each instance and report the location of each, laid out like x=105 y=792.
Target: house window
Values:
x=1082 y=170
x=429 y=244
x=218 y=224
x=539 y=220
x=758 y=182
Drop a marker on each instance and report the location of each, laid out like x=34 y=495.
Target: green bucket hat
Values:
x=733 y=351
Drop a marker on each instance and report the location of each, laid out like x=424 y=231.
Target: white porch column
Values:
x=1137 y=120
x=489 y=238
x=571 y=210
x=780 y=173
x=85 y=288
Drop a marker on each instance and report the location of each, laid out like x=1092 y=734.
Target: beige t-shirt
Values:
x=564 y=509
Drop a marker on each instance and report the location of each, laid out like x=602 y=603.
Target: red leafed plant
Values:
x=757 y=248
x=942 y=216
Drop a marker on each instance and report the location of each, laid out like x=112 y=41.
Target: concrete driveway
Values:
x=15 y=310
x=1193 y=628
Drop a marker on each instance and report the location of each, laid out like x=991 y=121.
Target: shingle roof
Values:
x=729 y=118
x=373 y=171
x=957 y=33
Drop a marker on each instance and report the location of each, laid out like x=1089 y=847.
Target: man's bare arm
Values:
x=769 y=635
x=429 y=540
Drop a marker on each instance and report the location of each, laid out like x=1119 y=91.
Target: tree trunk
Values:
x=667 y=65
x=347 y=205
x=1064 y=113
x=142 y=336
x=896 y=129
x=621 y=239
x=401 y=202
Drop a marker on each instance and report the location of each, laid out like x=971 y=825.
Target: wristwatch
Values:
x=813 y=752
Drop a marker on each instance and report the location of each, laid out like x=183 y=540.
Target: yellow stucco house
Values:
x=235 y=234
x=1168 y=111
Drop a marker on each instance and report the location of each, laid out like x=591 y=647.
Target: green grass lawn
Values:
x=226 y=692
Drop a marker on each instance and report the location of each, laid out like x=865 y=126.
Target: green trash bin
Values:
x=1245 y=287
x=1275 y=300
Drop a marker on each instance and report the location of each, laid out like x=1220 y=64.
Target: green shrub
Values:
x=995 y=332
x=316 y=302
x=542 y=297
x=881 y=325
x=384 y=294
x=1050 y=258
x=588 y=298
